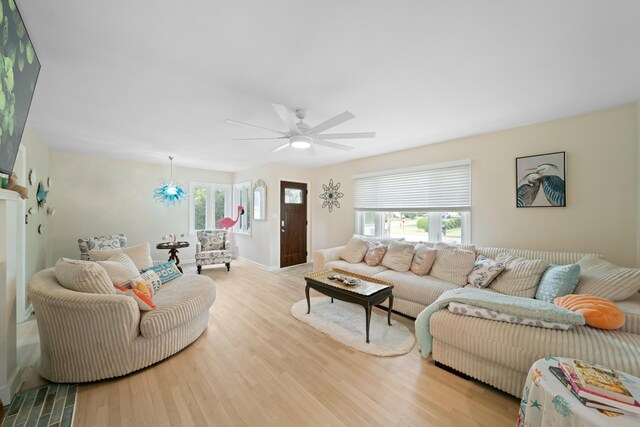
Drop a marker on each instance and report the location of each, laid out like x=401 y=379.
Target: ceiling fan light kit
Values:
x=301 y=142
x=301 y=136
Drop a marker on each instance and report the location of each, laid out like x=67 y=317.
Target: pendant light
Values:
x=170 y=193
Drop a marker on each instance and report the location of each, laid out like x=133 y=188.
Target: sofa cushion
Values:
x=121 y=269
x=520 y=277
x=142 y=299
x=355 y=250
x=398 y=256
x=598 y=312
x=419 y=289
x=83 y=276
x=178 y=302
x=148 y=282
x=605 y=280
x=139 y=254
x=517 y=346
x=557 y=281
x=361 y=268
x=423 y=258
x=485 y=270
x=375 y=254
x=452 y=264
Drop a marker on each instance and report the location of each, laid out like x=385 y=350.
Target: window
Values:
x=450 y=227
x=429 y=203
x=208 y=204
x=242 y=197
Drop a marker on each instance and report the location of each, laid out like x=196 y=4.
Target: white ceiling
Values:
x=147 y=78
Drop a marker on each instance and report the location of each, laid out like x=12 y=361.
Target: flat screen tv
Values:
x=19 y=69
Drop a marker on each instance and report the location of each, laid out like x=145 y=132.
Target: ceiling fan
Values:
x=302 y=136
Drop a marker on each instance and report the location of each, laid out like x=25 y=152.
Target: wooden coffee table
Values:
x=367 y=293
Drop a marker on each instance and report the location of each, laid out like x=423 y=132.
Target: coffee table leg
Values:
x=306 y=291
x=390 y=308
x=368 y=310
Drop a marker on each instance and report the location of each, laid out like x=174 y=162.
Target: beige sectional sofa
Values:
x=499 y=353
x=90 y=336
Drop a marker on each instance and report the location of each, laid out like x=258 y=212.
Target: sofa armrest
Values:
x=322 y=256
x=631 y=309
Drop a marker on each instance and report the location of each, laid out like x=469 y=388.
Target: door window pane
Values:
x=293 y=196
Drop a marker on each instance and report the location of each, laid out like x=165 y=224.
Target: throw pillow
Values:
x=558 y=281
x=605 y=280
x=375 y=254
x=167 y=271
x=423 y=258
x=120 y=268
x=598 y=312
x=484 y=271
x=520 y=277
x=83 y=276
x=148 y=282
x=99 y=243
x=144 y=302
x=139 y=254
x=398 y=256
x=355 y=251
x=452 y=264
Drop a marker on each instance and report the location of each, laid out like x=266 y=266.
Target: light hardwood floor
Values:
x=256 y=365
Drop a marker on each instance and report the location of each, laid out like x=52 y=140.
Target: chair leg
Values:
x=228 y=264
x=199 y=269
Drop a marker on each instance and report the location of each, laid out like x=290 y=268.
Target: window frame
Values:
x=212 y=187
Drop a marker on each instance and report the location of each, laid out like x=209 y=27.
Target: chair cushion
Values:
x=212 y=242
x=121 y=269
x=178 y=302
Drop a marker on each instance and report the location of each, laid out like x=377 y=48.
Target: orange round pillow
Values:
x=598 y=312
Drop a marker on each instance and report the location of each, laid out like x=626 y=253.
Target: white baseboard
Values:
x=257 y=264
x=7 y=391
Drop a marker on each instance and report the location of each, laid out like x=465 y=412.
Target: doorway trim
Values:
x=309 y=219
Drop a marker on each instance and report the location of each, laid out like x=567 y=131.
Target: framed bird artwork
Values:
x=541 y=181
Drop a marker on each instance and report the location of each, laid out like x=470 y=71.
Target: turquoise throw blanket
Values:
x=515 y=306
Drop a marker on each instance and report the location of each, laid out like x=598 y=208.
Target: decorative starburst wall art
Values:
x=331 y=195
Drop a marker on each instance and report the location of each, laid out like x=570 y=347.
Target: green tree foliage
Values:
x=201 y=208
x=423 y=223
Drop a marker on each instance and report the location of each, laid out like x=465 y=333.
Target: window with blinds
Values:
x=436 y=187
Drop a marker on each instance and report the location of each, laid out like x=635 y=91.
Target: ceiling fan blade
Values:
x=332 y=144
x=235 y=122
x=348 y=135
x=286 y=117
x=311 y=151
x=256 y=139
x=332 y=122
x=282 y=147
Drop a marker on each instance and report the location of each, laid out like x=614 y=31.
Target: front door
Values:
x=293 y=223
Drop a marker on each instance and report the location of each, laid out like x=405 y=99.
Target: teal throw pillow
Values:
x=167 y=271
x=558 y=281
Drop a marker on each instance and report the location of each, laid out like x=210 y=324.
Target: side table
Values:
x=173 y=250
x=546 y=402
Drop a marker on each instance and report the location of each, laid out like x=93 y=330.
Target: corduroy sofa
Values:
x=499 y=353
x=88 y=337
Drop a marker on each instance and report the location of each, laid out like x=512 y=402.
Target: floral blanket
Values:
x=515 y=306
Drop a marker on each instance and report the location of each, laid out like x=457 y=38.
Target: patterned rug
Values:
x=345 y=323
x=296 y=270
x=49 y=405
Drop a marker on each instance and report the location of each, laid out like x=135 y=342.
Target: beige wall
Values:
x=98 y=195
x=38 y=247
x=263 y=245
x=602 y=186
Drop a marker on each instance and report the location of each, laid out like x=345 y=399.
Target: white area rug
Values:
x=295 y=270
x=345 y=323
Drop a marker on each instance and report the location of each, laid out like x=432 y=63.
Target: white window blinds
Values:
x=437 y=187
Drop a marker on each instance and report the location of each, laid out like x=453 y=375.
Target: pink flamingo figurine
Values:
x=228 y=222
